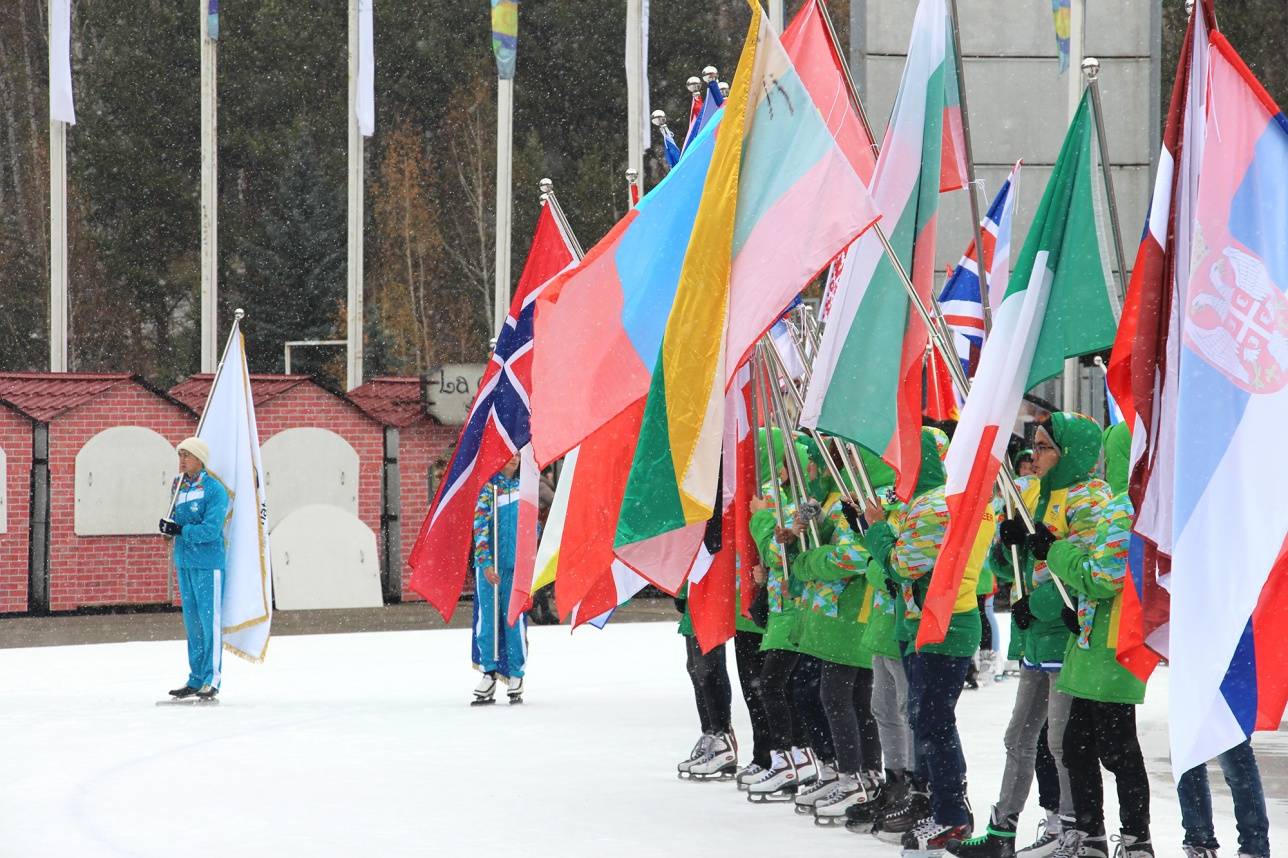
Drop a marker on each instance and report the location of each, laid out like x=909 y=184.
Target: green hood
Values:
x=822 y=487
x=879 y=472
x=932 y=467
x=776 y=436
x=1117 y=441
x=1078 y=438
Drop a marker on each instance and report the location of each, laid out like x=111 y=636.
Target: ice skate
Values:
x=986 y=663
x=1082 y=844
x=930 y=839
x=749 y=773
x=1048 y=837
x=719 y=763
x=899 y=819
x=997 y=841
x=776 y=784
x=514 y=689
x=807 y=765
x=831 y=808
x=1199 y=852
x=485 y=691
x=207 y=694
x=1009 y=668
x=181 y=693
x=808 y=796
x=699 y=751
x=862 y=818
x=1131 y=846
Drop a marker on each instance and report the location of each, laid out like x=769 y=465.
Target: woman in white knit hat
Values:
x=197 y=526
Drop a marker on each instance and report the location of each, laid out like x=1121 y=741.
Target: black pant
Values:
x=775 y=694
x=1105 y=733
x=846 y=694
x=1048 y=775
x=986 y=630
x=750 y=660
x=711 y=688
x=808 y=717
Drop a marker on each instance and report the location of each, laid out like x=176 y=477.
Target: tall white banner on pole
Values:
x=366 y=95
x=228 y=426
x=61 y=107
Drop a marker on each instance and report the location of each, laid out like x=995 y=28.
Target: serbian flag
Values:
x=867 y=382
x=1056 y=307
x=961 y=298
x=1142 y=369
x=1229 y=575
x=497 y=428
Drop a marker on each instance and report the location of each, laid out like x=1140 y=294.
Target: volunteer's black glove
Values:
x=1021 y=614
x=1012 y=532
x=892 y=588
x=1070 y=617
x=1040 y=541
x=851 y=513
x=170 y=528
x=679 y=604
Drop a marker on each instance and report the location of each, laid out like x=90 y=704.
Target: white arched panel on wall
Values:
x=324 y=557
x=4 y=492
x=308 y=466
x=123 y=480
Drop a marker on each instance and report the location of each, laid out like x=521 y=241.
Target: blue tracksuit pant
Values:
x=498 y=646
x=200 y=590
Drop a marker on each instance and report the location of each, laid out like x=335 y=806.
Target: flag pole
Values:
x=778 y=413
x=757 y=380
x=504 y=202
x=1077 y=33
x=632 y=188
x=776 y=15
x=209 y=193
x=57 y=221
x=1091 y=68
x=971 y=183
x=636 y=96
x=355 y=312
x=548 y=196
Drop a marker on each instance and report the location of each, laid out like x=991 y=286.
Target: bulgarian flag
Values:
x=1056 y=306
x=873 y=345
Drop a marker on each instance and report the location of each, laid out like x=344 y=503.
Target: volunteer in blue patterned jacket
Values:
x=498 y=648
x=197 y=525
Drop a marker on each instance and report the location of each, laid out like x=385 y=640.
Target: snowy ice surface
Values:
x=364 y=744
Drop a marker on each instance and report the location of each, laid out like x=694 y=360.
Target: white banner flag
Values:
x=228 y=426
x=366 y=89
x=61 y=108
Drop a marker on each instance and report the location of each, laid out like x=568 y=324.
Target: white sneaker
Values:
x=806 y=764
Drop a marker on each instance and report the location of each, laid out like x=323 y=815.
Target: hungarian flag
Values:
x=780 y=200
x=874 y=345
x=1056 y=307
x=1142 y=368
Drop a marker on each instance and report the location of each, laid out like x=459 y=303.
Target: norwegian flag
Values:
x=497 y=429
x=1142 y=367
x=960 y=299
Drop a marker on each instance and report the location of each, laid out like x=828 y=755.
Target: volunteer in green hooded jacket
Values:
x=830 y=624
x=1102 y=720
x=1069 y=501
x=908 y=545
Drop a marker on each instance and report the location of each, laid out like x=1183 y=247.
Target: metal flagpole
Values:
x=57 y=226
x=776 y=15
x=504 y=199
x=778 y=413
x=209 y=194
x=354 y=315
x=971 y=184
x=635 y=95
x=1091 y=68
x=758 y=396
x=1077 y=31
x=548 y=194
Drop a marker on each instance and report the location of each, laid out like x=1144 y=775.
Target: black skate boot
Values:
x=998 y=840
x=860 y=818
x=899 y=819
x=181 y=693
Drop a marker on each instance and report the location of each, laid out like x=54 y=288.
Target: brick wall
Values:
x=105 y=570
x=419 y=445
x=310 y=405
x=15 y=440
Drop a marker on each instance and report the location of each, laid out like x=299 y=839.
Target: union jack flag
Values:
x=496 y=430
x=960 y=299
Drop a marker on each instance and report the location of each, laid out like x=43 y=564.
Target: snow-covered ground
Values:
x=363 y=744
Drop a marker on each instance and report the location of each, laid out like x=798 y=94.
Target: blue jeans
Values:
x=934 y=684
x=1239 y=765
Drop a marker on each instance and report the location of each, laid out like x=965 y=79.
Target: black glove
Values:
x=851 y=513
x=1040 y=541
x=680 y=603
x=1021 y=614
x=1012 y=532
x=892 y=588
x=170 y=528
x=1070 y=618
